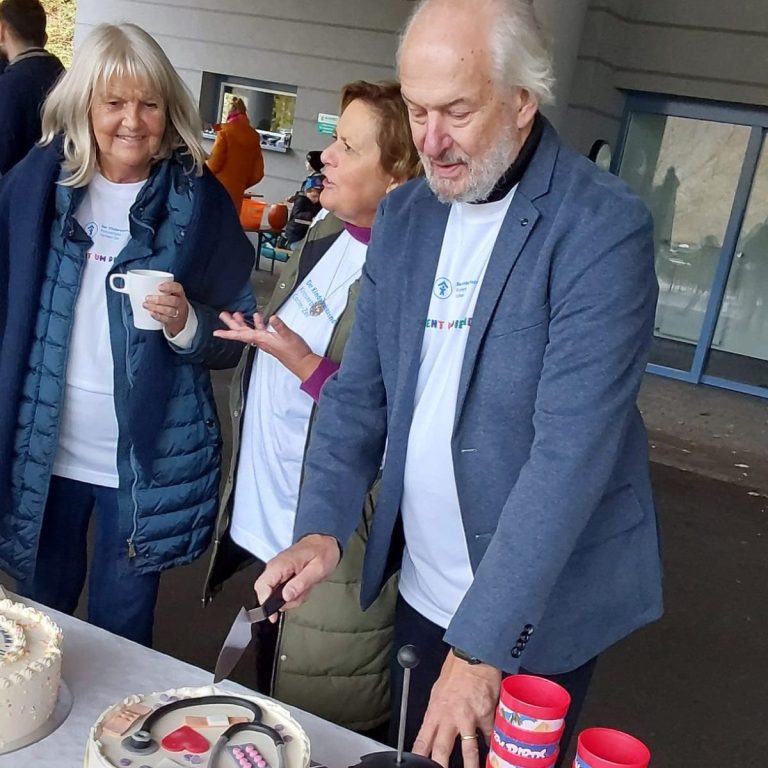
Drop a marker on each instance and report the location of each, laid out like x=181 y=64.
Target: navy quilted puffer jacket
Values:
x=182 y=224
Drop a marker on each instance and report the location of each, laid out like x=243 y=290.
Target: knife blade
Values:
x=240 y=635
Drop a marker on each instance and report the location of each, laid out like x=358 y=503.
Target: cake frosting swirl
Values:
x=30 y=669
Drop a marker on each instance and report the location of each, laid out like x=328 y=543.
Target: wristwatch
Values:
x=464 y=656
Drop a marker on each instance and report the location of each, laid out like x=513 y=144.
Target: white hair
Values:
x=113 y=52
x=520 y=47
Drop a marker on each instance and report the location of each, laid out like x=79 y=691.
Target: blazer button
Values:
x=528 y=630
x=210 y=423
x=516 y=653
x=523 y=222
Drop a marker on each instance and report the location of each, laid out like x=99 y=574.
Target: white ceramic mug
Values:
x=138 y=284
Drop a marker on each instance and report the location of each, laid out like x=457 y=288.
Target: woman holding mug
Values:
x=96 y=414
x=331 y=658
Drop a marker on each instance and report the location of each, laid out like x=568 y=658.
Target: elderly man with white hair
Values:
x=502 y=331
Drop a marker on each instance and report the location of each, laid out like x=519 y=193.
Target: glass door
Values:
x=687 y=170
x=739 y=348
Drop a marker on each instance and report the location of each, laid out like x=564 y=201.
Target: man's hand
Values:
x=462 y=702
x=275 y=338
x=308 y=562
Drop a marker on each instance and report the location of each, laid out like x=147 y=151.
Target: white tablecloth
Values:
x=101 y=669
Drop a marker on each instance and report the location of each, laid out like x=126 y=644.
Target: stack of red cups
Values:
x=530 y=720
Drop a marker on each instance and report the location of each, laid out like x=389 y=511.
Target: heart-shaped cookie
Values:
x=185 y=739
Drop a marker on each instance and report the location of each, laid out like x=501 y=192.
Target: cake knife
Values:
x=240 y=633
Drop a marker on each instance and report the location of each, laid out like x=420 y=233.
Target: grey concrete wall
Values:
x=564 y=22
x=316 y=46
x=706 y=49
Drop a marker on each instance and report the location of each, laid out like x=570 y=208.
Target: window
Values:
x=270 y=106
x=702 y=169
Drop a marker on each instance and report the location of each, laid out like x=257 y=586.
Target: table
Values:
x=101 y=669
x=263 y=233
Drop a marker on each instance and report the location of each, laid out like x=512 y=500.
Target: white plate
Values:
x=60 y=713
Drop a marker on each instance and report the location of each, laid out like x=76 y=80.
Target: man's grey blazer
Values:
x=549 y=449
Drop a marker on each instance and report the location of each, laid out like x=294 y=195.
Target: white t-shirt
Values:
x=276 y=418
x=436 y=571
x=87 y=449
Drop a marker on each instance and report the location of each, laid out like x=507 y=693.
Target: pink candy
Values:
x=247 y=756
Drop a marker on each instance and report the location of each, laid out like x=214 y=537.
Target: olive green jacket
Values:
x=332 y=658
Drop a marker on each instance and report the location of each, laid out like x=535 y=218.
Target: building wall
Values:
x=317 y=46
x=706 y=49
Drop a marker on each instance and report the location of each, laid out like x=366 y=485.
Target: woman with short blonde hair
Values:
x=107 y=407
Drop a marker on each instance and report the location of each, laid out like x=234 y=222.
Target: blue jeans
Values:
x=120 y=599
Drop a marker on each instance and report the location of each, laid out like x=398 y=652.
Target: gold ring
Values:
x=175 y=314
x=469 y=738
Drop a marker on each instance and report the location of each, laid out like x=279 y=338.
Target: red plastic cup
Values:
x=521 y=736
x=498 y=758
x=606 y=748
x=533 y=703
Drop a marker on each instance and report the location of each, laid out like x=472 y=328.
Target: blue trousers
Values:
x=120 y=599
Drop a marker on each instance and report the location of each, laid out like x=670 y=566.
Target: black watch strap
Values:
x=464 y=656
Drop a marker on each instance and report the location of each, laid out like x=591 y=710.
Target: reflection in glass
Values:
x=740 y=344
x=686 y=171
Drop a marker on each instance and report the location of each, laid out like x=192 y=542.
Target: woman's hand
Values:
x=275 y=338
x=170 y=308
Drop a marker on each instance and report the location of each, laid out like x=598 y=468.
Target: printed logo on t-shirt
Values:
x=99 y=257
x=443 y=288
x=91 y=229
x=112 y=233
x=448 y=325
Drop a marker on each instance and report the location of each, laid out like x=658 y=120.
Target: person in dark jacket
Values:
x=305 y=207
x=97 y=416
x=30 y=72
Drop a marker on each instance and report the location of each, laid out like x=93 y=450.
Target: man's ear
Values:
x=526 y=107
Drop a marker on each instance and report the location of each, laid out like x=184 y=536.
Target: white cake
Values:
x=187 y=736
x=30 y=670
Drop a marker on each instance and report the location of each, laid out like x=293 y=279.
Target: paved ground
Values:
x=709 y=431
x=692 y=686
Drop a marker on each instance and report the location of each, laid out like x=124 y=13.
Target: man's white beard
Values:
x=483 y=173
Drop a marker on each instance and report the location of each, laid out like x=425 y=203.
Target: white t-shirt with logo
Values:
x=436 y=571
x=87 y=448
x=276 y=419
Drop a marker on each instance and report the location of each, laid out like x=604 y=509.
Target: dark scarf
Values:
x=515 y=172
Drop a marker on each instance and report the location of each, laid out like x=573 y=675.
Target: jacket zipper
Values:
x=276 y=661
x=135 y=481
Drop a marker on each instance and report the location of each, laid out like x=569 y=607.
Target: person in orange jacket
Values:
x=236 y=159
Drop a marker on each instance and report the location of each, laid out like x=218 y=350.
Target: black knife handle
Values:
x=275 y=601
